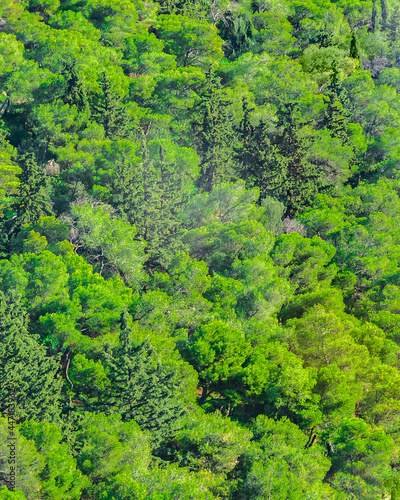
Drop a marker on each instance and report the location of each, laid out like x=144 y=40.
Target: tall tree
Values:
x=30 y=202
x=372 y=26
x=256 y=154
x=355 y=47
x=384 y=14
x=394 y=24
x=29 y=384
x=111 y=113
x=336 y=113
x=141 y=388
x=292 y=177
x=152 y=193
x=74 y=92
x=215 y=134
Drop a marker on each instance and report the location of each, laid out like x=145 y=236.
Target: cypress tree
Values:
x=394 y=25
x=355 y=47
x=151 y=192
x=110 y=112
x=384 y=14
x=293 y=179
x=215 y=134
x=372 y=26
x=32 y=198
x=141 y=388
x=124 y=187
x=245 y=152
x=255 y=153
x=337 y=119
x=74 y=92
x=336 y=114
x=278 y=163
x=30 y=203
x=29 y=384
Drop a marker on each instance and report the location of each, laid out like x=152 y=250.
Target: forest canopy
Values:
x=200 y=249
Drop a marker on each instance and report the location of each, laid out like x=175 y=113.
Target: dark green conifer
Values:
x=354 y=46
x=337 y=119
x=154 y=199
x=293 y=178
x=278 y=164
x=30 y=203
x=245 y=152
x=141 y=388
x=336 y=114
x=215 y=134
x=372 y=26
x=384 y=14
x=29 y=384
x=32 y=200
x=124 y=187
x=74 y=92
x=110 y=112
x=255 y=152
x=394 y=24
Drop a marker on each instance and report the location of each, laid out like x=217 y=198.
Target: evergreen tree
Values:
x=141 y=388
x=29 y=385
x=384 y=14
x=247 y=132
x=30 y=203
x=110 y=112
x=238 y=31
x=394 y=25
x=255 y=152
x=153 y=193
x=336 y=114
x=74 y=92
x=32 y=200
x=355 y=47
x=337 y=119
x=215 y=134
x=124 y=186
x=372 y=26
x=290 y=176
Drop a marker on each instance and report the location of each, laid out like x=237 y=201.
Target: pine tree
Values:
x=29 y=384
x=110 y=112
x=215 y=133
x=75 y=92
x=141 y=388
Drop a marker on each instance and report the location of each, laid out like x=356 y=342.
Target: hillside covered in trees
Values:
x=199 y=249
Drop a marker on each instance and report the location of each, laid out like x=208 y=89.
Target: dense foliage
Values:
x=199 y=249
